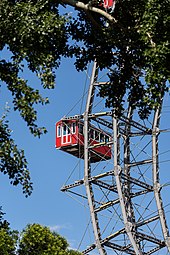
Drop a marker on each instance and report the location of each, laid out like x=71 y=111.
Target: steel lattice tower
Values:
x=124 y=196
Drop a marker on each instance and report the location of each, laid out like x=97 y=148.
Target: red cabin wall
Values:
x=73 y=143
x=65 y=140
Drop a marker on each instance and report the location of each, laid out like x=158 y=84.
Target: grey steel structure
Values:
x=124 y=194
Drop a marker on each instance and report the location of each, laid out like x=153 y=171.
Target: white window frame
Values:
x=59 y=130
x=73 y=127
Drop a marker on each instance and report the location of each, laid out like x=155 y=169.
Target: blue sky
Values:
x=50 y=168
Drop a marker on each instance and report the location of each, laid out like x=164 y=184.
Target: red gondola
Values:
x=108 y=5
x=70 y=138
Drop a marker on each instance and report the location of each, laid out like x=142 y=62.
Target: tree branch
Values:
x=88 y=7
x=151 y=41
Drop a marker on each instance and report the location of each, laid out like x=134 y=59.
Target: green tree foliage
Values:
x=8 y=237
x=135 y=45
x=7 y=242
x=34 y=32
x=133 y=42
x=13 y=161
x=37 y=239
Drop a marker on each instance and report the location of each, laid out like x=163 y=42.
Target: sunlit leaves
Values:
x=37 y=239
x=7 y=243
x=8 y=237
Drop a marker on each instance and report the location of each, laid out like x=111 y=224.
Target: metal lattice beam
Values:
x=129 y=191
